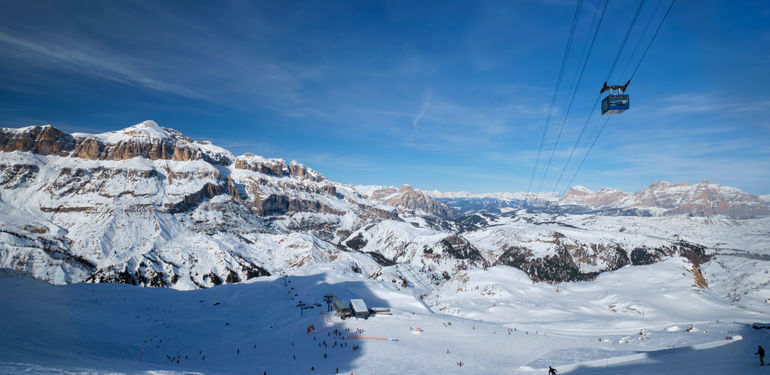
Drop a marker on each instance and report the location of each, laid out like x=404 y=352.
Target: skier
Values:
x=551 y=370
x=761 y=353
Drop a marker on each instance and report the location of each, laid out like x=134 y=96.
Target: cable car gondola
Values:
x=615 y=103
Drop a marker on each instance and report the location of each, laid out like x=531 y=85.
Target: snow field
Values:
x=508 y=325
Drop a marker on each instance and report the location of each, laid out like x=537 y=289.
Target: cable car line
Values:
x=625 y=39
x=590 y=115
x=632 y=76
x=589 y=151
x=653 y=38
x=572 y=100
x=556 y=90
x=641 y=38
x=585 y=45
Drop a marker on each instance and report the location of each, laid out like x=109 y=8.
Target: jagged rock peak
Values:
x=44 y=140
x=276 y=167
x=300 y=170
x=146 y=139
x=412 y=199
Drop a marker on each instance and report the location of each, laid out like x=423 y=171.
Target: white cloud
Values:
x=706 y=103
x=93 y=63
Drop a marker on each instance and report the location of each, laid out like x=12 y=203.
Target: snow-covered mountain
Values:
x=503 y=196
x=703 y=199
x=408 y=197
x=146 y=205
x=660 y=198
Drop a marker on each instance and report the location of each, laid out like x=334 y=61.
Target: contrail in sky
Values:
x=425 y=105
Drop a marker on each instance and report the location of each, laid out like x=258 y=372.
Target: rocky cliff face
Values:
x=148 y=206
x=703 y=199
x=43 y=140
x=276 y=167
x=146 y=140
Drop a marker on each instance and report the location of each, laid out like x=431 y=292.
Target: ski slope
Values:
x=494 y=322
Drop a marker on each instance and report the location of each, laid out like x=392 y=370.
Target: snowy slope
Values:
x=493 y=322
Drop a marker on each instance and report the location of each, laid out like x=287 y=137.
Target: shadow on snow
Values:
x=254 y=327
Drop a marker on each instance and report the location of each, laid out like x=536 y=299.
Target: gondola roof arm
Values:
x=622 y=88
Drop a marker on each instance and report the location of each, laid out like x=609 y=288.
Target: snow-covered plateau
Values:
x=665 y=280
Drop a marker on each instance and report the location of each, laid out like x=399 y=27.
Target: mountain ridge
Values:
x=704 y=199
x=148 y=206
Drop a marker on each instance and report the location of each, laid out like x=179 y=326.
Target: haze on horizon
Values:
x=449 y=96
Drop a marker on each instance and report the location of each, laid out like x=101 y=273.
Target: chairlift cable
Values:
x=641 y=38
x=632 y=76
x=585 y=45
x=589 y=151
x=556 y=90
x=625 y=39
x=653 y=38
x=590 y=114
x=572 y=100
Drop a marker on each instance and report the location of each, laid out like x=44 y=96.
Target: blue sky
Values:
x=441 y=95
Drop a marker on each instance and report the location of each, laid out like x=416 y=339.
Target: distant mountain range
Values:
x=703 y=199
x=660 y=198
x=146 y=205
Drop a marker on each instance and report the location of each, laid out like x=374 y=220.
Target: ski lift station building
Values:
x=359 y=308
x=356 y=307
x=342 y=309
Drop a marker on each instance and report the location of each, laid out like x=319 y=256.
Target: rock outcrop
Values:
x=43 y=140
x=146 y=139
x=415 y=200
x=276 y=167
